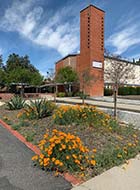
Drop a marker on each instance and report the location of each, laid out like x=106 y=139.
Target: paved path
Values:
x=17 y=171
x=126 y=177
x=2 y=103
x=125 y=106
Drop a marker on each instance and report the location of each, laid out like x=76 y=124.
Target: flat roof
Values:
x=92 y=6
x=69 y=55
x=120 y=59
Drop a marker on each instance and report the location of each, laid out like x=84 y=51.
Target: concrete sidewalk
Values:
x=17 y=171
x=121 y=106
x=126 y=177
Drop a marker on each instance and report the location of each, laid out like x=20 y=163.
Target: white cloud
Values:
x=25 y=18
x=126 y=36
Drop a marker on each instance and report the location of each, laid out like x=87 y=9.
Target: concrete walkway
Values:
x=126 y=177
x=2 y=103
x=105 y=104
x=17 y=171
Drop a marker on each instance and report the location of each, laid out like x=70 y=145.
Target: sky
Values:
x=47 y=30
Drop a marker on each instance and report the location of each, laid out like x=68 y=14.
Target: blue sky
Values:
x=48 y=30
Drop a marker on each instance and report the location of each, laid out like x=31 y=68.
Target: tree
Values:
x=66 y=75
x=20 y=70
x=138 y=62
x=118 y=72
x=1 y=62
x=2 y=73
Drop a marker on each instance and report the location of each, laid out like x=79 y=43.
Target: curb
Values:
x=68 y=177
x=99 y=106
x=34 y=148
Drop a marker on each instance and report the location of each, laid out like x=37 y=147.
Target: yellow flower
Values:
x=135 y=136
x=56 y=174
x=74 y=156
x=129 y=144
x=119 y=156
x=82 y=175
x=53 y=159
x=125 y=151
x=41 y=163
x=81 y=168
x=69 y=148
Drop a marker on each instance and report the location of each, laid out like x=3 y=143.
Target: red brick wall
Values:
x=91 y=49
x=59 y=65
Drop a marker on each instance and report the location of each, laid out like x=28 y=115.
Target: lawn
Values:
x=84 y=140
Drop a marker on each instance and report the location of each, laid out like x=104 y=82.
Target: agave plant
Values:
x=39 y=108
x=16 y=103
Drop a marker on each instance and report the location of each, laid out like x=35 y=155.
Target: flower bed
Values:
x=79 y=139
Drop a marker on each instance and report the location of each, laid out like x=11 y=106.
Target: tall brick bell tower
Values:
x=91 y=56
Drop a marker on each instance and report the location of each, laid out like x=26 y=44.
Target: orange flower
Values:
x=94 y=150
x=49 y=153
x=35 y=157
x=77 y=161
x=46 y=136
x=46 y=160
x=41 y=156
x=57 y=162
x=61 y=164
x=74 y=156
x=93 y=162
x=67 y=157
x=63 y=146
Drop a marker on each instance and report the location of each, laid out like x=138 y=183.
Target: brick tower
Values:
x=91 y=58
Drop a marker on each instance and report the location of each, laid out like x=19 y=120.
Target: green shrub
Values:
x=129 y=90
x=70 y=94
x=30 y=136
x=38 y=109
x=61 y=94
x=16 y=126
x=79 y=115
x=82 y=95
x=108 y=92
x=16 y=103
